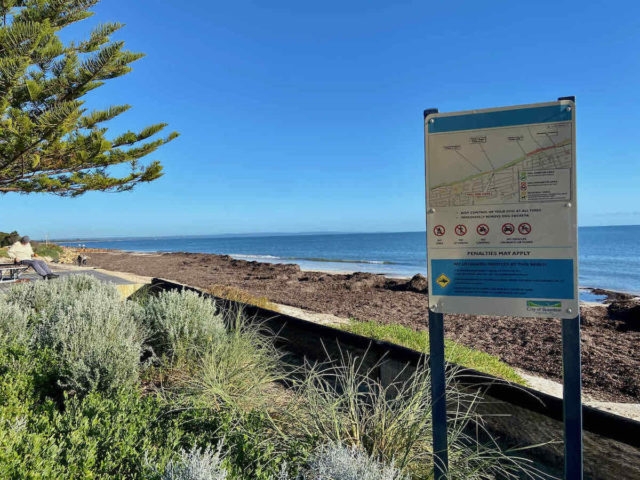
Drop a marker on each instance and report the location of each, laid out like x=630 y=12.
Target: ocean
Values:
x=609 y=257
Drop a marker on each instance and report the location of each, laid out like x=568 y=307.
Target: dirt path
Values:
x=611 y=347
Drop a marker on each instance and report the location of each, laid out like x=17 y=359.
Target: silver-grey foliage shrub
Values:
x=97 y=338
x=197 y=465
x=181 y=323
x=43 y=297
x=339 y=462
x=14 y=324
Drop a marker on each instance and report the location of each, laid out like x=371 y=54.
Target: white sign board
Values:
x=501 y=211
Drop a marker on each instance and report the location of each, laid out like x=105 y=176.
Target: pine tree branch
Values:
x=48 y=143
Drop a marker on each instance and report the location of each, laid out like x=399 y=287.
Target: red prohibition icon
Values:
x=461 y=230
x=482 y=229
x=438 y=230
x=508 y=229
x=524 y=229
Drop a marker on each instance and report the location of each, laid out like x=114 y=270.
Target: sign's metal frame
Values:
x=571 y=356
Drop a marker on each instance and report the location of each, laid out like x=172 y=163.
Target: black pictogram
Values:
x=438 y=230
x=524 y=229
x=508 y=229
x=482 y=229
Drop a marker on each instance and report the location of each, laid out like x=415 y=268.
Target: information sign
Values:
x=501 y=211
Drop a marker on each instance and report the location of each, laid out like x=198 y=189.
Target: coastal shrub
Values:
x=181 y=323
x=253 y=448
x=107 y=437
x=338 y=462
x=43 y=297
x=27 y=441
x=196 y=464
x=14 y=324
x=97 y=339
x=238 y=368
x=117 y=435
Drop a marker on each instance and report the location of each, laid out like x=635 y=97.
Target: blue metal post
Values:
x=438 y=395
x=572 y=404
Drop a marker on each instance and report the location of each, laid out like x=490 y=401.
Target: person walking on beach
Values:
x=22 y=253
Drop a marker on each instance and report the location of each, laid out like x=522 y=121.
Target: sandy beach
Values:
x=610 y=339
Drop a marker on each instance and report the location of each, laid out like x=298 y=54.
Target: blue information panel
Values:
x=501 y=211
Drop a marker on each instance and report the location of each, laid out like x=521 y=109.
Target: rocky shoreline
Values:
x=610 y=331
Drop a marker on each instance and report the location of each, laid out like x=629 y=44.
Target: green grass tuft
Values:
x=419 y=340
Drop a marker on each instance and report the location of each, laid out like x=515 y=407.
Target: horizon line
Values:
x=262 y=234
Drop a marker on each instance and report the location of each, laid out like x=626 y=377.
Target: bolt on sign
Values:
x=501 y=203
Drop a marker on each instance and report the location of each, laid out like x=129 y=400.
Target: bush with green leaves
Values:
x=181 y=323
x=116 y=435
x=27 y=442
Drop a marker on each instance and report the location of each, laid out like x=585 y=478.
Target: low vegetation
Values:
x=169 y=387
x=181 y=324
x=50 y=250
x=419 y=340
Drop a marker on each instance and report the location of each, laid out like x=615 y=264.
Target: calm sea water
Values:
x=609 y=256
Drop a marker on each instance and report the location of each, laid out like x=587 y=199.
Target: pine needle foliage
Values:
x=49 y=142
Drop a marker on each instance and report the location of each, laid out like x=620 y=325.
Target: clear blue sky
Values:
x=307 y=116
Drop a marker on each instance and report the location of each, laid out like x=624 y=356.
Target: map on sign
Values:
x=501 y=166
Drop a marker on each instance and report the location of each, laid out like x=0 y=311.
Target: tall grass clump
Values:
x=97 y=339
x=238 y=368
x=343 y=403
x=181 y=323
x=338 y=462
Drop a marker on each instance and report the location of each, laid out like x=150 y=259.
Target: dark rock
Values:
x=364 y=281
x=626 y=311
x=418 y=284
